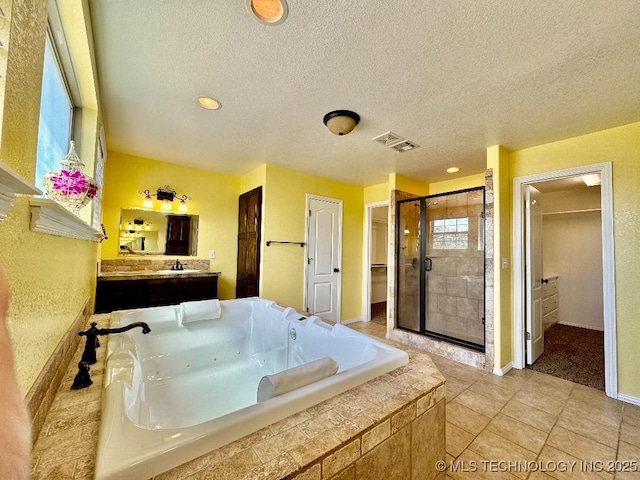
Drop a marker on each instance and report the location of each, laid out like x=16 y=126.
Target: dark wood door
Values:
x=178 y=233
x=249 y=224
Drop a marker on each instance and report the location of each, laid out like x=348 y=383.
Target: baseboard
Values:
x=579 y=325
x=42 y=392
x=502 y=371
x=352 y=320
x=629 y=399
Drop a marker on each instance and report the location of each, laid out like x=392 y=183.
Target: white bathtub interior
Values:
x=183 y=390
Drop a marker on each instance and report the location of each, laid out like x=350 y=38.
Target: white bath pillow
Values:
x=280 y=383
x=199 y=310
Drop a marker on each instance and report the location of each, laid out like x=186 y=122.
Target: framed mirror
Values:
x=151 y=232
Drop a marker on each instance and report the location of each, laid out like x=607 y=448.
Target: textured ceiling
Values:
x=452 y=76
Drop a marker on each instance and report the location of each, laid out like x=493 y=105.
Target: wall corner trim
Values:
x=502 y=371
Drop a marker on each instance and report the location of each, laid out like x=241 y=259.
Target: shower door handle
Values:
x=427 y=264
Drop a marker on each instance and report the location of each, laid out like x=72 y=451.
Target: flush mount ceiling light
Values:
x=341 y=122
x=208 y=103
x=591 y=180
x=453 y=170
x=269 y=12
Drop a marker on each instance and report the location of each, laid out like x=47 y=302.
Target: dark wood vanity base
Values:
x=120 y=291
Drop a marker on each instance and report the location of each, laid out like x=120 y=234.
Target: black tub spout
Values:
x=92 y=333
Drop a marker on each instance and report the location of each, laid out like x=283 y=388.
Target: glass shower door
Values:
x=441 y=267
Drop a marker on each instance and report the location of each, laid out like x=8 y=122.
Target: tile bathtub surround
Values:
x=42 y=392
x=363 y=433
x=132 y=264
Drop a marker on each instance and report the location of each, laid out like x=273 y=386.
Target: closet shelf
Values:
x=564 y=212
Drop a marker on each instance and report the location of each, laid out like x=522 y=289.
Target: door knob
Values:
x=336 y=270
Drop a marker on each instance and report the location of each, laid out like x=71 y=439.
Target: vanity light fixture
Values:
x=166 y=195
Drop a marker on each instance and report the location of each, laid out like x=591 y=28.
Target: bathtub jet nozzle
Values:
x=92 y=333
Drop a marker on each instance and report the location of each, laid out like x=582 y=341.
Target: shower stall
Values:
x=441 y=267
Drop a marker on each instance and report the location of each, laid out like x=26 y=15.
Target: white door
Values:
x=533 y=274
x=324 y=240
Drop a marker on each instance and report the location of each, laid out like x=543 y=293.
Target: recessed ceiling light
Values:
x=453 y=170
x=269 y=12
x=209 y=103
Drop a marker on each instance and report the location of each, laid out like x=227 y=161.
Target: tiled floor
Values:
x=507 y=427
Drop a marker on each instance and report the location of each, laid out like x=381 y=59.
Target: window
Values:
x=450 y=234
x=56 y=116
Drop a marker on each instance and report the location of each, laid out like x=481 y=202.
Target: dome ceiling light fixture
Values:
x=269 y=12
x=208 y=103
x=341 y=122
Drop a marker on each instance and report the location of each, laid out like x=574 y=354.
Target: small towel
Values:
x=200 y=310
x=280 y=383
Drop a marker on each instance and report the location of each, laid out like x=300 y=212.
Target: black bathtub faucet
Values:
x=89 y=354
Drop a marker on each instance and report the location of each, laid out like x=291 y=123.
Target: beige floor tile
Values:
x=465 y=418
x=630 y=434
x=580 y=447
x=631 y=414
x=530 y=415
x=520 y=433
x=479 y=403
x=496 y=448
x=562 y=466
x=533 y=387
x=454 y=388
x=585 y=425
x=492 y=390
x=558 y=383
x=540 y=401
x=592 y=396
x=457 y=439
x=512 y=384
x=605 y=414
x=539 y=476
x=628 y=462
x=471 y=466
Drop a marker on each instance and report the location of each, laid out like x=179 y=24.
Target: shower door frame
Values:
x=424 y=310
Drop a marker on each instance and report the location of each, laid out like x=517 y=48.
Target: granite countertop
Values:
x=147 y=274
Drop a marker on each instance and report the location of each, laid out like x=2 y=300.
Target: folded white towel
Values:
x=199 y=310
x=274 y=385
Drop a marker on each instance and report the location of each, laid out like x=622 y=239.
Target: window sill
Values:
x=49 y=217
x=12 y=184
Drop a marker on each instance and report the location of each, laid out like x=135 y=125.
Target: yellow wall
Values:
x=409 y=185
x=50 y=277
x=498 y=161
x=284 y=220
x=214 y=200
x=376 y=193
x=454 y=184
x=621 y=147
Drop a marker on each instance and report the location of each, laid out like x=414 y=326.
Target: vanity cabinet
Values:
x=121 y=293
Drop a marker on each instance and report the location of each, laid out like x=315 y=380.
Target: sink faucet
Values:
x=177 y=265
x=89 y=354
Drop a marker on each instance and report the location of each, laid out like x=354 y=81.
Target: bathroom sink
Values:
x=177 y=271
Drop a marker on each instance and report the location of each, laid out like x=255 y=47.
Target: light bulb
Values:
x=166 y=205
x=182 y=207
x=147 y=202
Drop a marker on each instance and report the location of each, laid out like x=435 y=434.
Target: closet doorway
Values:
x=570 y=332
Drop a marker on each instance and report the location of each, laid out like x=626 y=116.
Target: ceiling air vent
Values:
x=404 y=146
x=388 y=139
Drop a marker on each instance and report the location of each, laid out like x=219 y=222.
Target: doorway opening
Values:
x=376 y=254
x=441 y=267
x=564 y=317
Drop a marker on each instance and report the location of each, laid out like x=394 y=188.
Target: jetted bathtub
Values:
x=188 y=388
